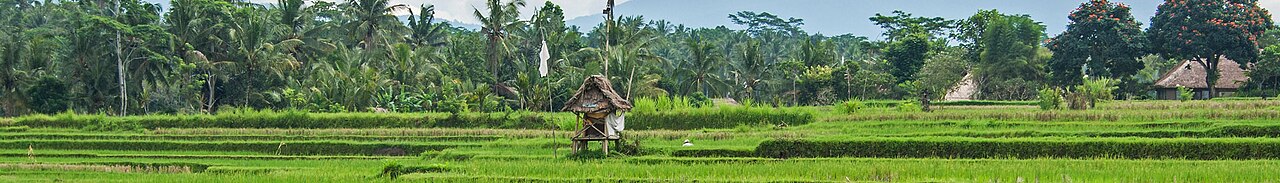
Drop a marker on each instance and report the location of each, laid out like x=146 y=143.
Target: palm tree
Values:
x=291 y=16
x=371 y=17
x=750 y=69
x=631 y=49
x=500 y=18
x=701 y=68
x=425 y=30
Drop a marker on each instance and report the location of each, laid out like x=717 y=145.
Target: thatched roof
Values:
x=963 y=90
x=596 y=95
x=1191 y=75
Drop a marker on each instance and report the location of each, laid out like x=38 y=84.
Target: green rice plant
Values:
x=953 y=147
x=720 y=117
x=713 y=153
x=1228 y=131
x=661 y=104
x=292 y=119
x=1159 y=105
x=14 y=129
x=292 y=148
x=393 y=169
x=6 y=122
x=644 y=105
x=1069 y=115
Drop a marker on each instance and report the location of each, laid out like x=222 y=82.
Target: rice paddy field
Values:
x=1120 y=141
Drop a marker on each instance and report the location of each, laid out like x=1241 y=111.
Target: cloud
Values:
x=1271 y=5
x=462 y=10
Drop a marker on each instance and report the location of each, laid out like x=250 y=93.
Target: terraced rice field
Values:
x=1124 y=141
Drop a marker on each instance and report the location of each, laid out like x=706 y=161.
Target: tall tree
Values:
x=1206 y=31
x=750 y=69
x=1006 y=54
x=700 y=69
x=1266 y=73
x=903 y=24
x=496 y=22
x=1101 y=35
x=907 y=55
x=425 y=30
x=764 y=22
x=371 y=16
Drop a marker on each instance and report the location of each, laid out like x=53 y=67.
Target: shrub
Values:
x=1184 y=93
x=849 y=106
x=1050 y=98
x=721 y=117
x=48 y=95
x=698 y=99
x=933 y=147
x=1093 y=91
x=909 y=106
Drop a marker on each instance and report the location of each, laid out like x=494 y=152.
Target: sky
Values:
x=829 y=17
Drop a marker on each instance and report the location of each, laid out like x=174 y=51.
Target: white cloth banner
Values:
x=617 y=122
x=544 y=55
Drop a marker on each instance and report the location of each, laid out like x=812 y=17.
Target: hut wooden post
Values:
x=604 y=146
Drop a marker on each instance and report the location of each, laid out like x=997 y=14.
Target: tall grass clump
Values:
x=1093 y=91
x=849 y=106
x=661 y=104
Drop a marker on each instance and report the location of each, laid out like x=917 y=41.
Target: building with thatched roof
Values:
x=600 y=111
x=1192 y=75
x=963 y=90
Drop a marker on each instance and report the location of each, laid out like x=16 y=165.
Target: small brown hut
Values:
x=1191 y=75
x=600 y=111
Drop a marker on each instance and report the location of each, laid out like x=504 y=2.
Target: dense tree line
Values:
x=130 y=57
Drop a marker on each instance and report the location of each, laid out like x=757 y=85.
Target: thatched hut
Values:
x=600 y=111
x=1191 y=75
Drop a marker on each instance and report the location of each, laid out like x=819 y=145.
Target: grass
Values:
x=498 y=153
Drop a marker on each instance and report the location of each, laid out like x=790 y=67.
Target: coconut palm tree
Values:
x=425 y=30
x=496 y=22
x=371 y=17
x=700 y=70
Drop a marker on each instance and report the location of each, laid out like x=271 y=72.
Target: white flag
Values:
x=544 y=55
